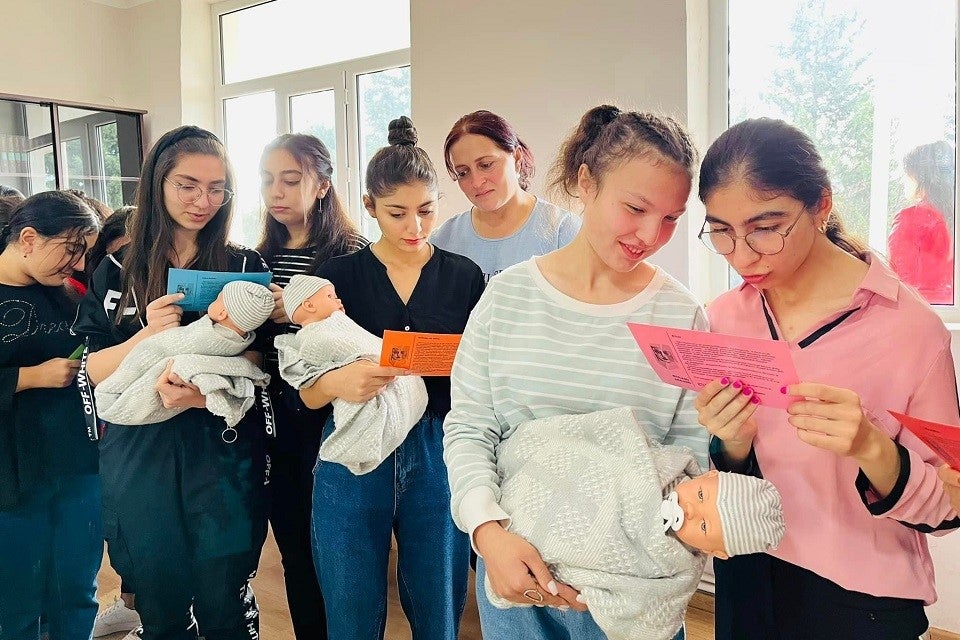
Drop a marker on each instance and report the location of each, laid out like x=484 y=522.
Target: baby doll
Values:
x=588 y=491
x=205 y=353
x=365 y=433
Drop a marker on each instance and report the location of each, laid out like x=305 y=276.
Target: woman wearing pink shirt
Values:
x=860 y=493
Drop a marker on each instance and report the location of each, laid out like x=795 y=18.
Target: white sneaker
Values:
x=136 y=634
x=114 y=619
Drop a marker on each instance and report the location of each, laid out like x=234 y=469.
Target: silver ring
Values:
x=229 y=435
x=537 y=598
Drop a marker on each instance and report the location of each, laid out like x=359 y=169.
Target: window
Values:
x=304 y=33
x=99 y=152
x=874 y=84
x=346 y=103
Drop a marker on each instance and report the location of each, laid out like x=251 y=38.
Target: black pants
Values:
x=292 y=457
x=760 y=597
x=185 y=519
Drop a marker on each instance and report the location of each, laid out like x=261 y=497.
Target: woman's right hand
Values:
x=55 y=373
x=358 y=381
x=726 y=407
x=164 y=313
x=514 y=566
x=279 y=314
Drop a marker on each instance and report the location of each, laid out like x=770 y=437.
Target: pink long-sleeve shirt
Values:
x=893 y=351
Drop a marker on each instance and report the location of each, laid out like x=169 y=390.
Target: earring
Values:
x=823 y=228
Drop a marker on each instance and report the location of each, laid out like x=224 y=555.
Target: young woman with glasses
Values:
x=183 y=510
x=860 y=493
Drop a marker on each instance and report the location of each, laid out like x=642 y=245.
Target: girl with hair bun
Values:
x=550 y=337
x=506 y=224
x=402 y=283
x=49 y=490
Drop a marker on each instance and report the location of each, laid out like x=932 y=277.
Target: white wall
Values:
x=67 y=49
x=542 y=66
x=156 y=56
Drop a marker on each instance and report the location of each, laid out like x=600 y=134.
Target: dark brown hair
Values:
x=401 y=163
x=774 y=158
x=608 y=137
x=147 y=258
x=497 y=130
x=53 y=214
x=329 y=228
x=933 y=167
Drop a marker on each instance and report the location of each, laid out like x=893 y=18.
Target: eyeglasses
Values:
x=766 y=242
x=190 y=193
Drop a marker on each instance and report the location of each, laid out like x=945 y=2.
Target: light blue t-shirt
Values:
x=549 y=227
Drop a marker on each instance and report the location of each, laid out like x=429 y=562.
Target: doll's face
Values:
x=319 y=306
x=701 y=520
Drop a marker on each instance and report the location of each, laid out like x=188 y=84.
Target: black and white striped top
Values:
x=291 y=262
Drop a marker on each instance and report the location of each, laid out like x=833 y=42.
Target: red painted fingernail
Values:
x=724 y=380
x=747 y=391
x=783 y=390
x=755 y=400
x=737 y=384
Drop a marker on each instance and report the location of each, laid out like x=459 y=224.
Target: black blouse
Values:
x=449 y=287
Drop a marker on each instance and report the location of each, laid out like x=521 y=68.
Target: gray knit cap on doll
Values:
x=249 y=304
x=750 y=513
x=299 y=289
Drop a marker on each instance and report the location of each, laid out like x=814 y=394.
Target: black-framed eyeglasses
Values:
x=766 y=242
x=190 y=193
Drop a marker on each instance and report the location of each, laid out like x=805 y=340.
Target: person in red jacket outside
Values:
x=921 y=240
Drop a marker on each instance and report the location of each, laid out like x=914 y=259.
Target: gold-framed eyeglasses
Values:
x=766 y=242
x=190 y=193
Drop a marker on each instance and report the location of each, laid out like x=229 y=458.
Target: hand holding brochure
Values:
x=943 y=439
x=200 y=288
x=690 y=359
x=425 y=354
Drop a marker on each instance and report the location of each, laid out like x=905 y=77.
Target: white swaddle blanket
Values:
x=365 y=433
x=203 y=353
x=586 y=490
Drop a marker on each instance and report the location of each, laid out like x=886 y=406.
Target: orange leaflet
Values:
x=943 y=439
x=425 y=354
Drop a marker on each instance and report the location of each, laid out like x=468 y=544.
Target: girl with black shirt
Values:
x=49 y=490
x=306 y=226
x=183 y=510
x=402 y=283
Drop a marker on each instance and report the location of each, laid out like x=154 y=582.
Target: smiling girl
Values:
x=550 y=337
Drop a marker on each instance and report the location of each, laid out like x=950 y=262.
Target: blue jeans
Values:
x=535 y=623
x=52 y=549
x=353 y=517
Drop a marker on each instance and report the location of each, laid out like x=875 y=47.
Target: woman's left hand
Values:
x=951 y=484
x=175 y=393
x=833 y=419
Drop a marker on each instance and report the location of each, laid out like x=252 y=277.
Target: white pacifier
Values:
x=671 y=512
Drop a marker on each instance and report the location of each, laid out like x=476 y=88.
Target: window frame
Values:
x=341 y=77
x=709 y=271
x=57 y=140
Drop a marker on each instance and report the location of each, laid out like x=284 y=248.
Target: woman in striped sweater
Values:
x=549 y=337
x=306 y=226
